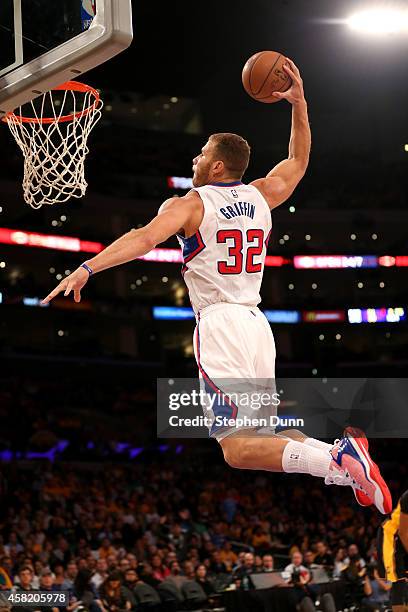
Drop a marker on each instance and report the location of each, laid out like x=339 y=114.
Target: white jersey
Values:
x=224 y=260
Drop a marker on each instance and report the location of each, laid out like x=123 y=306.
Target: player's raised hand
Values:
x=295 y=93
x=74 y=282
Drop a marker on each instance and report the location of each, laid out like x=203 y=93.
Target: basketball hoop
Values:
x=54 y=142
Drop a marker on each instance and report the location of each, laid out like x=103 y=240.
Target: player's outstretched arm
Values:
x=282 y=180
x=172 y=217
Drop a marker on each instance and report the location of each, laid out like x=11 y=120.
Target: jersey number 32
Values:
x=253 y=247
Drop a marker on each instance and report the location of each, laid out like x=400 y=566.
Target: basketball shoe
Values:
x=358 y=470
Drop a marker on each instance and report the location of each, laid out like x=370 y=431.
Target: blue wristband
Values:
x=87 y=268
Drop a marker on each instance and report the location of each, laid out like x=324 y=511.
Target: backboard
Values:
x=44 y=43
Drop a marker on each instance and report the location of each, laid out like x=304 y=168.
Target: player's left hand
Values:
x=74 y=282
x=295 y=93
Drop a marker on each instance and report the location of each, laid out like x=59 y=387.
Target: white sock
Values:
x=304 y=459
x=318 y=444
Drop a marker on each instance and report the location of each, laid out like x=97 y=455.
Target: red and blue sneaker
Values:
x=360 y=496
x=356 y=468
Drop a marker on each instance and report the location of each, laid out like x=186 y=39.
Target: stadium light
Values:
x=379 y=21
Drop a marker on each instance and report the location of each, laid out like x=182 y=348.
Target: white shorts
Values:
x=235 y=352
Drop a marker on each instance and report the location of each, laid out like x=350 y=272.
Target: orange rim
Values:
x=68 y=86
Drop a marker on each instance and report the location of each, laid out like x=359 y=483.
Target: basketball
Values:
x=263 y=74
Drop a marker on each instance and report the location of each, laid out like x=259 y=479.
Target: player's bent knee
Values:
x=237 y=452
x=230 y=453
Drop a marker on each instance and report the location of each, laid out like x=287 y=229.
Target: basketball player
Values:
x=223 y=226
x=392 y=547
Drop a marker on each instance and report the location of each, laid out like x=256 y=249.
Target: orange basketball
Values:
x=263 y=74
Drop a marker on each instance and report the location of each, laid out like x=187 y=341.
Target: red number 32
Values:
x=234 y=239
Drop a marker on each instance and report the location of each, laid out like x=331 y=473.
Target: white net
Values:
x=54 y=142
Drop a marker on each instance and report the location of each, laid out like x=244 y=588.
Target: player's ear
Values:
x=219 y=167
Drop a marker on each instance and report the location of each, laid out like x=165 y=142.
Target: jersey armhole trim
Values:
x=192 y=246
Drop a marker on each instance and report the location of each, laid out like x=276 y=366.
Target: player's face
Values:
x=202 y=165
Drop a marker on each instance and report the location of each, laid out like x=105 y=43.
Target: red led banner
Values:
x=275 y=261
x=59 y=243
x=76 y=245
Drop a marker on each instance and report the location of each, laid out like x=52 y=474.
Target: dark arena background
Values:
x=90 y=497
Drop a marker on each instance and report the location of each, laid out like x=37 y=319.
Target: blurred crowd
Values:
x=103 y=532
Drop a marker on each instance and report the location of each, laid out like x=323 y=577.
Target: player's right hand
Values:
x=295 y=93
x=74 y=282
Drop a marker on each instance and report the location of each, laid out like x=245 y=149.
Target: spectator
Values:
x=258 y=564
x=5 y=580
x=193 y=555
x=354 y=557
x=25 y=575
x=106 y=549
x=227 y=556
x=188 y=570
x=175 y=574
x=176 y=537
x=298 y=578
x=323 y=556
x=216 y=565
x=13 y=545
x=124 y=564
x=61 y=552
x=242 y=574
x=240 y=561
x=84 y=592
x=47 y=580
x=101 y=573
x=6 y=564
x=354 y=576
x=145 y=573
x=59 y=576
x=376 y=591
x=114 y=596
x=267 y=563
x=171 y=556
x=230 y=504
x=261 y=540
x=302 y=596
x=160 y=571
x=133 y=563
x=218 y=537
x=70 y=575
x=201 y=577
x=131 y=579
x=112 y=561
x=299 y=574
x=339 y=562
x=47 y=584
x=309 y=560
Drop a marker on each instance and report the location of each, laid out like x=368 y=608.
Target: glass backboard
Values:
x=44 y=43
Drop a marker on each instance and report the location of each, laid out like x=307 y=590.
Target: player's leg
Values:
x=237 y=343
x=223 y=350
x=250 y=451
